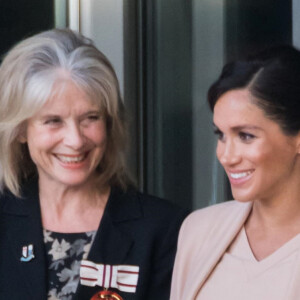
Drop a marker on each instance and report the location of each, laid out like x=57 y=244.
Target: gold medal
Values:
x=107 y=295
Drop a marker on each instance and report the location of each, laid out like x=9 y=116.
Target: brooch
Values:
x=27 y=253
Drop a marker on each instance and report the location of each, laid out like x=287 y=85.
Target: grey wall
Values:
x=296 y=23
x=208 y=59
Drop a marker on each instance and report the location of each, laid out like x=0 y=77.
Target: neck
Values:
x=277 y=214
x=61 y=196
x=271 y=224
x=72 y=209
x=281 y=207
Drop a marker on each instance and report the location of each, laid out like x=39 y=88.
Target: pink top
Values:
x=239 y=275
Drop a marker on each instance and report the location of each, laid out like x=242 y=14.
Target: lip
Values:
x=72 y=161
x=239 y=177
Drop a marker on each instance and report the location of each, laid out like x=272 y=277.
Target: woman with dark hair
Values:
x=249 y=248
x=72 y=225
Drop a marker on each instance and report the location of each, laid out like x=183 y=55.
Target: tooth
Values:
x=69 y=159
x=239 y=175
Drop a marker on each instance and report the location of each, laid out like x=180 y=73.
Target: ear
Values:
x=298 y=142
x=22 y=138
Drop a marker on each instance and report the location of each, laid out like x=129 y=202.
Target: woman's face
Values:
x=261 y=162
x=66 y=138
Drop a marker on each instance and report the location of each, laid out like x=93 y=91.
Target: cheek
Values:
x=39 y=141
x=263 y=156
x=219 y=151
x=97 y=134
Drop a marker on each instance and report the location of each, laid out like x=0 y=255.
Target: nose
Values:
x=228 y=153
x=73 y=136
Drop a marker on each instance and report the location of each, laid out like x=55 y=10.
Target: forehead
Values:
x=237 y=106
x=67 y=95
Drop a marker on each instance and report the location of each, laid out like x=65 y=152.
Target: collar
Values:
x=123 y=206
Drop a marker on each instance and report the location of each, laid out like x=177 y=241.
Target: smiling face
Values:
x=66 y=138
x=261 y=162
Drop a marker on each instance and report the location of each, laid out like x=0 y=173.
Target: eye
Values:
x=90 y=119
x=246 y=137
x=53 y=121
x=220 y=135
x=94 y=117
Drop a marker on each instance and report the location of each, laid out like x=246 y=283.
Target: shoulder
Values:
x=162 y=216
x=2 y=201
x=148 y=205
x=150 y=211
x=204 y=236
x=210 y=226
x=218 y=210
x=158 y=207
x=7 y=200
x=11 y=204
x=159 y=211
x=204 y=220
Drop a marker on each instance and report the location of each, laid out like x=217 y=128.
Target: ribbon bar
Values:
x=121 y=277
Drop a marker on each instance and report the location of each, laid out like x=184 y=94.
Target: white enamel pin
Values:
x=27 y=253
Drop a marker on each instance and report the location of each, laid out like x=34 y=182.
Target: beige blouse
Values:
x=239 y=275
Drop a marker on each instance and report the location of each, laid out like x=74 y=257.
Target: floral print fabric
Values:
x=64 y=254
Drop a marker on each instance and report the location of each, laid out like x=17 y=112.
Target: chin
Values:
x=243 y=200
x=242 y=197
x=74 y=182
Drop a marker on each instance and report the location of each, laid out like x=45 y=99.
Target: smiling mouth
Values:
x=239 y=175
x=71 y=159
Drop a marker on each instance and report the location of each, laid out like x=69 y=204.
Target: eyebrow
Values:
x=54 y=115
x=48 y=116
x=241 y=127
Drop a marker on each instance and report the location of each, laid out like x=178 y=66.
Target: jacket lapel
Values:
x=23 y=227
x=111 y=245
x=220 y=237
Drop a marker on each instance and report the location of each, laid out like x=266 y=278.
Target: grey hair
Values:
x=28 y=77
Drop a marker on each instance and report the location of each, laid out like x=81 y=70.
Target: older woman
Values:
x=249 y=248
x=71 y=224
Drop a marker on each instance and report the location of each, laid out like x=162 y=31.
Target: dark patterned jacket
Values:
x=135 y=229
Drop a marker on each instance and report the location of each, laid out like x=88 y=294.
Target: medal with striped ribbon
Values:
x=121 y=277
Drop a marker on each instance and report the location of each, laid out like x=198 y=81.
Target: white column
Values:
x=102 y=21
x=60 y=13
x=74 y=14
